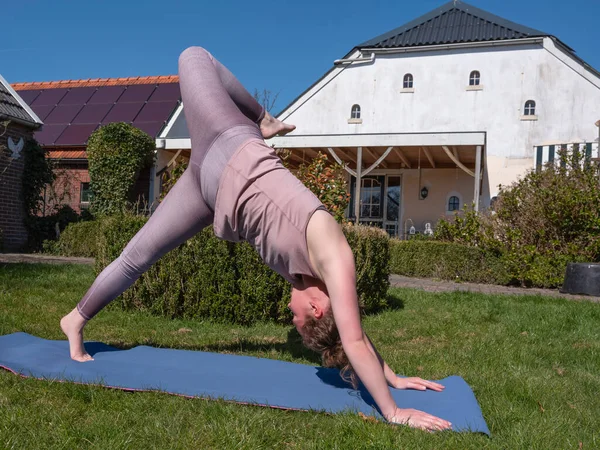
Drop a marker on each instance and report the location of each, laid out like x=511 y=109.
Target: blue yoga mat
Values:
x=242 y=379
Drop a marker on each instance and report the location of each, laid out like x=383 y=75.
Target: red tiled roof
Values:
x=94 y=82
x=67 y=154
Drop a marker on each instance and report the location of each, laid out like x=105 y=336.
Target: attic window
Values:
x=355 y=113
x=529 y=108
x=474 y=78
x=408 y=81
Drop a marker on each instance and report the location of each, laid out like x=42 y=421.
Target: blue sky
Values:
x=283 y=46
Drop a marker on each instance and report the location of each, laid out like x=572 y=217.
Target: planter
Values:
x=582 y=278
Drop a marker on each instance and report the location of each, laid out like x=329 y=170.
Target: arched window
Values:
x=474 y=78
x=355 y=112
x=408 y=81
x=529 y=108
x=453 y=203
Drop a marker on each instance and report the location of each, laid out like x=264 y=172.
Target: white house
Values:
x=438 y=112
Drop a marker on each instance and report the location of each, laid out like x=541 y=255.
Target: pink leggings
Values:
x=221 y=115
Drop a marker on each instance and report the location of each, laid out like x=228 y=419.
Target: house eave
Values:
x=32 y=125
x=450 y=46
x=36 y=121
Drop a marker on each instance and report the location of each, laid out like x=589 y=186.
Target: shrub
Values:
x=371 y=249
x=78 y=239
x=209 y=278
x=37 y=173
x=540 y=223
x=46 y=228
x=117 y=152
x=170 y=177
x=326 y=181
x=445 y=261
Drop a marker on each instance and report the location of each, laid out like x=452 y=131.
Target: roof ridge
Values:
x=94 y=82
x=445 y=9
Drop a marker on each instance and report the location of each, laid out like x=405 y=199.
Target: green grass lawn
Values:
x=533 y=362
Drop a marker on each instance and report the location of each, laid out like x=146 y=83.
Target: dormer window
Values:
x=408 y=81
x=474 y=78
x=529 y=108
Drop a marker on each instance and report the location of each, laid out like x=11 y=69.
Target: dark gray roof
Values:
x=454 y=22
x=13 y=109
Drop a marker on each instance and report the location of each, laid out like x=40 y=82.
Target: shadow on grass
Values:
x=394 y=301
x=293 y=346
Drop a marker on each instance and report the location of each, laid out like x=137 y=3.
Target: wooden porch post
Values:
x=358 y=184
x=477 y=176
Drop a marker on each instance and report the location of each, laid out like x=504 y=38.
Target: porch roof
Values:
x=378 y=139
x=408 y=150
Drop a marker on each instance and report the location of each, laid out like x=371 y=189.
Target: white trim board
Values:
x=378 y=140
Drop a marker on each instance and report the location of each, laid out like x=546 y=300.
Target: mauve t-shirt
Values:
x=262 y=202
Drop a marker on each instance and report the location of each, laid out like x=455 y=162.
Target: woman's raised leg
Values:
x=214 y=100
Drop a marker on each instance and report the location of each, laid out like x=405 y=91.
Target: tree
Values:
x=117 y=152
x=266 y=98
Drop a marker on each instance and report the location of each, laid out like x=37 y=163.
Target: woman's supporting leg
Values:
x=181 y=215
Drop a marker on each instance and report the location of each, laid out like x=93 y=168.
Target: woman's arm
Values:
x=332 y=258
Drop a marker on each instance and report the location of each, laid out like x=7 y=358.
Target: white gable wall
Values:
x=567 y=100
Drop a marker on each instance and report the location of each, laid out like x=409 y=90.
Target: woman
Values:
x=237 y=183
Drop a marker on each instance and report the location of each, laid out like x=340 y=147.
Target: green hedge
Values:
x=445 y=261
x=222 y=281
x=78 y=239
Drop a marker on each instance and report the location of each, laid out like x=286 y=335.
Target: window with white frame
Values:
x=85 y=194
x=453 y=203
x=408 y=81
x=355 y=112
x=474 y=78
x=529 y=108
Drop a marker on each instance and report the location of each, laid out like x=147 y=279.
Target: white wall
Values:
x=567 y=100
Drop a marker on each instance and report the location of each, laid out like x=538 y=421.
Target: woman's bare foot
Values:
x=72 y=325
x=270 y=126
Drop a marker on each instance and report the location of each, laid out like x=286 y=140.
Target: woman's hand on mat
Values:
x=419 y=419
x=417 y=383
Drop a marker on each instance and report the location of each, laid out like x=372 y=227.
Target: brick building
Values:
x=73 y=109
x=17 y=124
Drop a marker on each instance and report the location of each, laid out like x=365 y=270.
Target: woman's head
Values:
x=309 y=299
x=313 y=318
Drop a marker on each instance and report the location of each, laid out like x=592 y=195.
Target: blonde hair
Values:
x=322 y=336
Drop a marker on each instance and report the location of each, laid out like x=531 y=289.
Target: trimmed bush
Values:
x=43 y=228
x=225 y=282
x=371 y=249
x=445 y=261
x=78 y=239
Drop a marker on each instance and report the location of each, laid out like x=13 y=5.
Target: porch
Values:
x=401 y=182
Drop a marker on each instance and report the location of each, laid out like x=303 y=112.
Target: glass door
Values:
x=392 y=207
x=371 y=200
x=380 y=198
